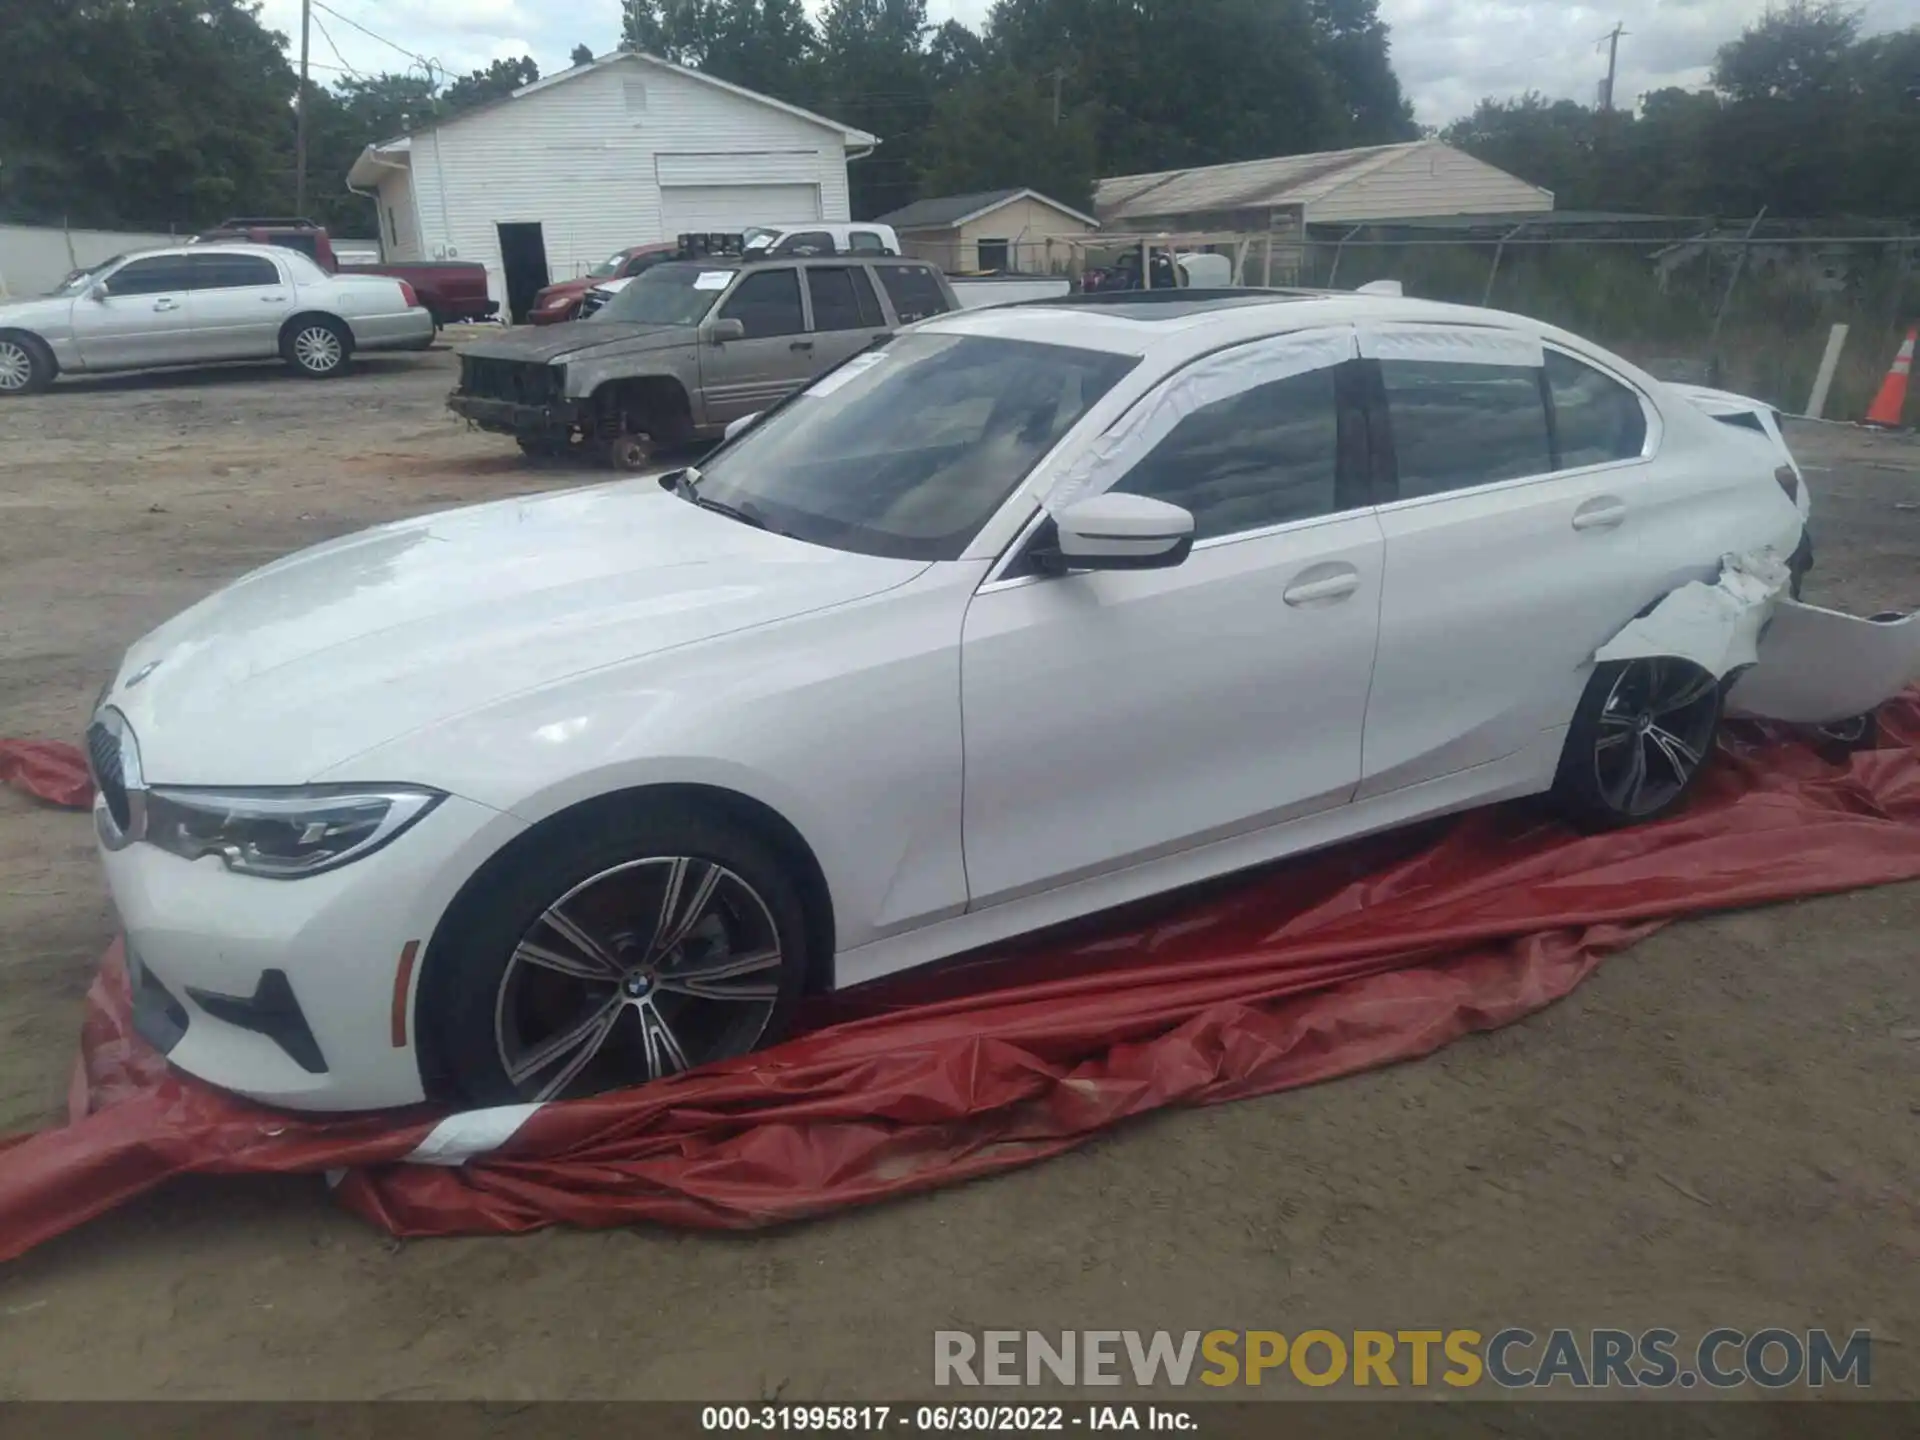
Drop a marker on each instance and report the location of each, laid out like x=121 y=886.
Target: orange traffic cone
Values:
x=1891 y=402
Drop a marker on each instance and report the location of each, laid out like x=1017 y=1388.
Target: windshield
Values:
x=80 y=279
x=907 y=451
x=666 y=295
x=608 y=267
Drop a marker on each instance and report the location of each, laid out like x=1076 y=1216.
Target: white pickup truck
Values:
x=976 y=291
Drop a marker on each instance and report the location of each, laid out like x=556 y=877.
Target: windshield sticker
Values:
x=712 y=279
x=853 y=369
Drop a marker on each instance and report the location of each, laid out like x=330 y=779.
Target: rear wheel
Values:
x=318 y=348
x=1644 y=731
x=631 y=948
x=25 y=365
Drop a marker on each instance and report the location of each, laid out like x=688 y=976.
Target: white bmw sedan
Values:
x=1030 y=612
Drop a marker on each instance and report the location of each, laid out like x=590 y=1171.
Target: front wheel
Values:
x=628 y=948
x=318 y=348
x=1639 y=740
x=25 y=366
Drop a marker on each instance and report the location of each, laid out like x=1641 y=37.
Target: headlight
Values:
x=283 y=834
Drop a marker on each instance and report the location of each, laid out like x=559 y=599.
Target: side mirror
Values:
x=1119 y=532
x=745 y=422
x=721 y=331
x=100 y=292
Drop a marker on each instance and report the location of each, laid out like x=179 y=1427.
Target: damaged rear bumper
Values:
x=1788 y=661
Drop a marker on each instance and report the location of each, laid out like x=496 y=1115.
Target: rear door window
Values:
x=866 y=242
x=767 y=302
x=843 y=300
x=914 y=291
x=1457 y=426
x=233 y=272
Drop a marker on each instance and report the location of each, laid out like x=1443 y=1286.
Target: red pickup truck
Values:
x=451 y=290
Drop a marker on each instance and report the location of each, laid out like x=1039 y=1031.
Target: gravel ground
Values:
x=1720 y=1129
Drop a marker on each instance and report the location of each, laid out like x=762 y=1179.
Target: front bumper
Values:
x=295 y=992
x=512 y=417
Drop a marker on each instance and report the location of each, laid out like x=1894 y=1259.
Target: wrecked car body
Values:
x=685 y=349
x=1033 y=612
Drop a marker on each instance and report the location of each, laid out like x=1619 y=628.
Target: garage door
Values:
x=734 y=207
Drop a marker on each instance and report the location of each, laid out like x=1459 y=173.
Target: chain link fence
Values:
x=1748 y=307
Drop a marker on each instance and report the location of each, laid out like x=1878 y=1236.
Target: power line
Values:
x=373 y=35
x=322 y=27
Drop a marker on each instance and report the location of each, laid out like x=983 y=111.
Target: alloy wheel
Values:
x=16 y=366
x=318 y=349
x=643 y=970
x=1655 y=732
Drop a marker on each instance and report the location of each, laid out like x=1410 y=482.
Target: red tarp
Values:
x=1363 y=955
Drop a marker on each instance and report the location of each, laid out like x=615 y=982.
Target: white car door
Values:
x=239 y=303
x=1525 y=523
x=139 y=315
x=1110 y=717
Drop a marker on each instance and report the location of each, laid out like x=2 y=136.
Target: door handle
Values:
x=1604 y=513
x=801 y=345
x=1336 y=586
x=166 y=304
x=273 y=299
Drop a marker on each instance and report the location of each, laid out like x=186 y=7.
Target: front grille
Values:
x=519 y=381
x=103 y=757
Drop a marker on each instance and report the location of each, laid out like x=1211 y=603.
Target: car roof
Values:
x=217 y=247
x=754 y=262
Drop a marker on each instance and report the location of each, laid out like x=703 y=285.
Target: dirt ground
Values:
x=1722 y=1128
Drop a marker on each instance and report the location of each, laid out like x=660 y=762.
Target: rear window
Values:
x=914 y=291
x=1596 y=419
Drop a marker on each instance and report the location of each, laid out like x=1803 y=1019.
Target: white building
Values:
x=626 y=150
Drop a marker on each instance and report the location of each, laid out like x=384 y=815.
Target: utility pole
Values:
x=1612 y=42
x=1059 y=79
x=300 y=117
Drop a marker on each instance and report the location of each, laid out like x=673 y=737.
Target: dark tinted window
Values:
x=1596 y=419
x=233 y=272
x=158 y=275
x=913 y=290
x=866 y=242
x=1264 y=457
x=768 y=304
x=807 y=242
x=1456 y=426
x=842 y=300
x=639 y=264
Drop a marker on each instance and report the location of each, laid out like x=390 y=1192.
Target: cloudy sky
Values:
x=1449 y=53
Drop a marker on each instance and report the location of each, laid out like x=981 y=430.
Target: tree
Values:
x=874 y=75
x=582 y=55
x=1355 y=48
x=496 y=82
x=765 y=45
x=142 y=112
x=996 y=130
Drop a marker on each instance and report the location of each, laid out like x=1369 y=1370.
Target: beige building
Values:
x=989 y=230
x=1278 y=199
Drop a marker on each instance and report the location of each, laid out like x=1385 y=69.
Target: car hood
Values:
x=581 y=338
x=299 y=667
